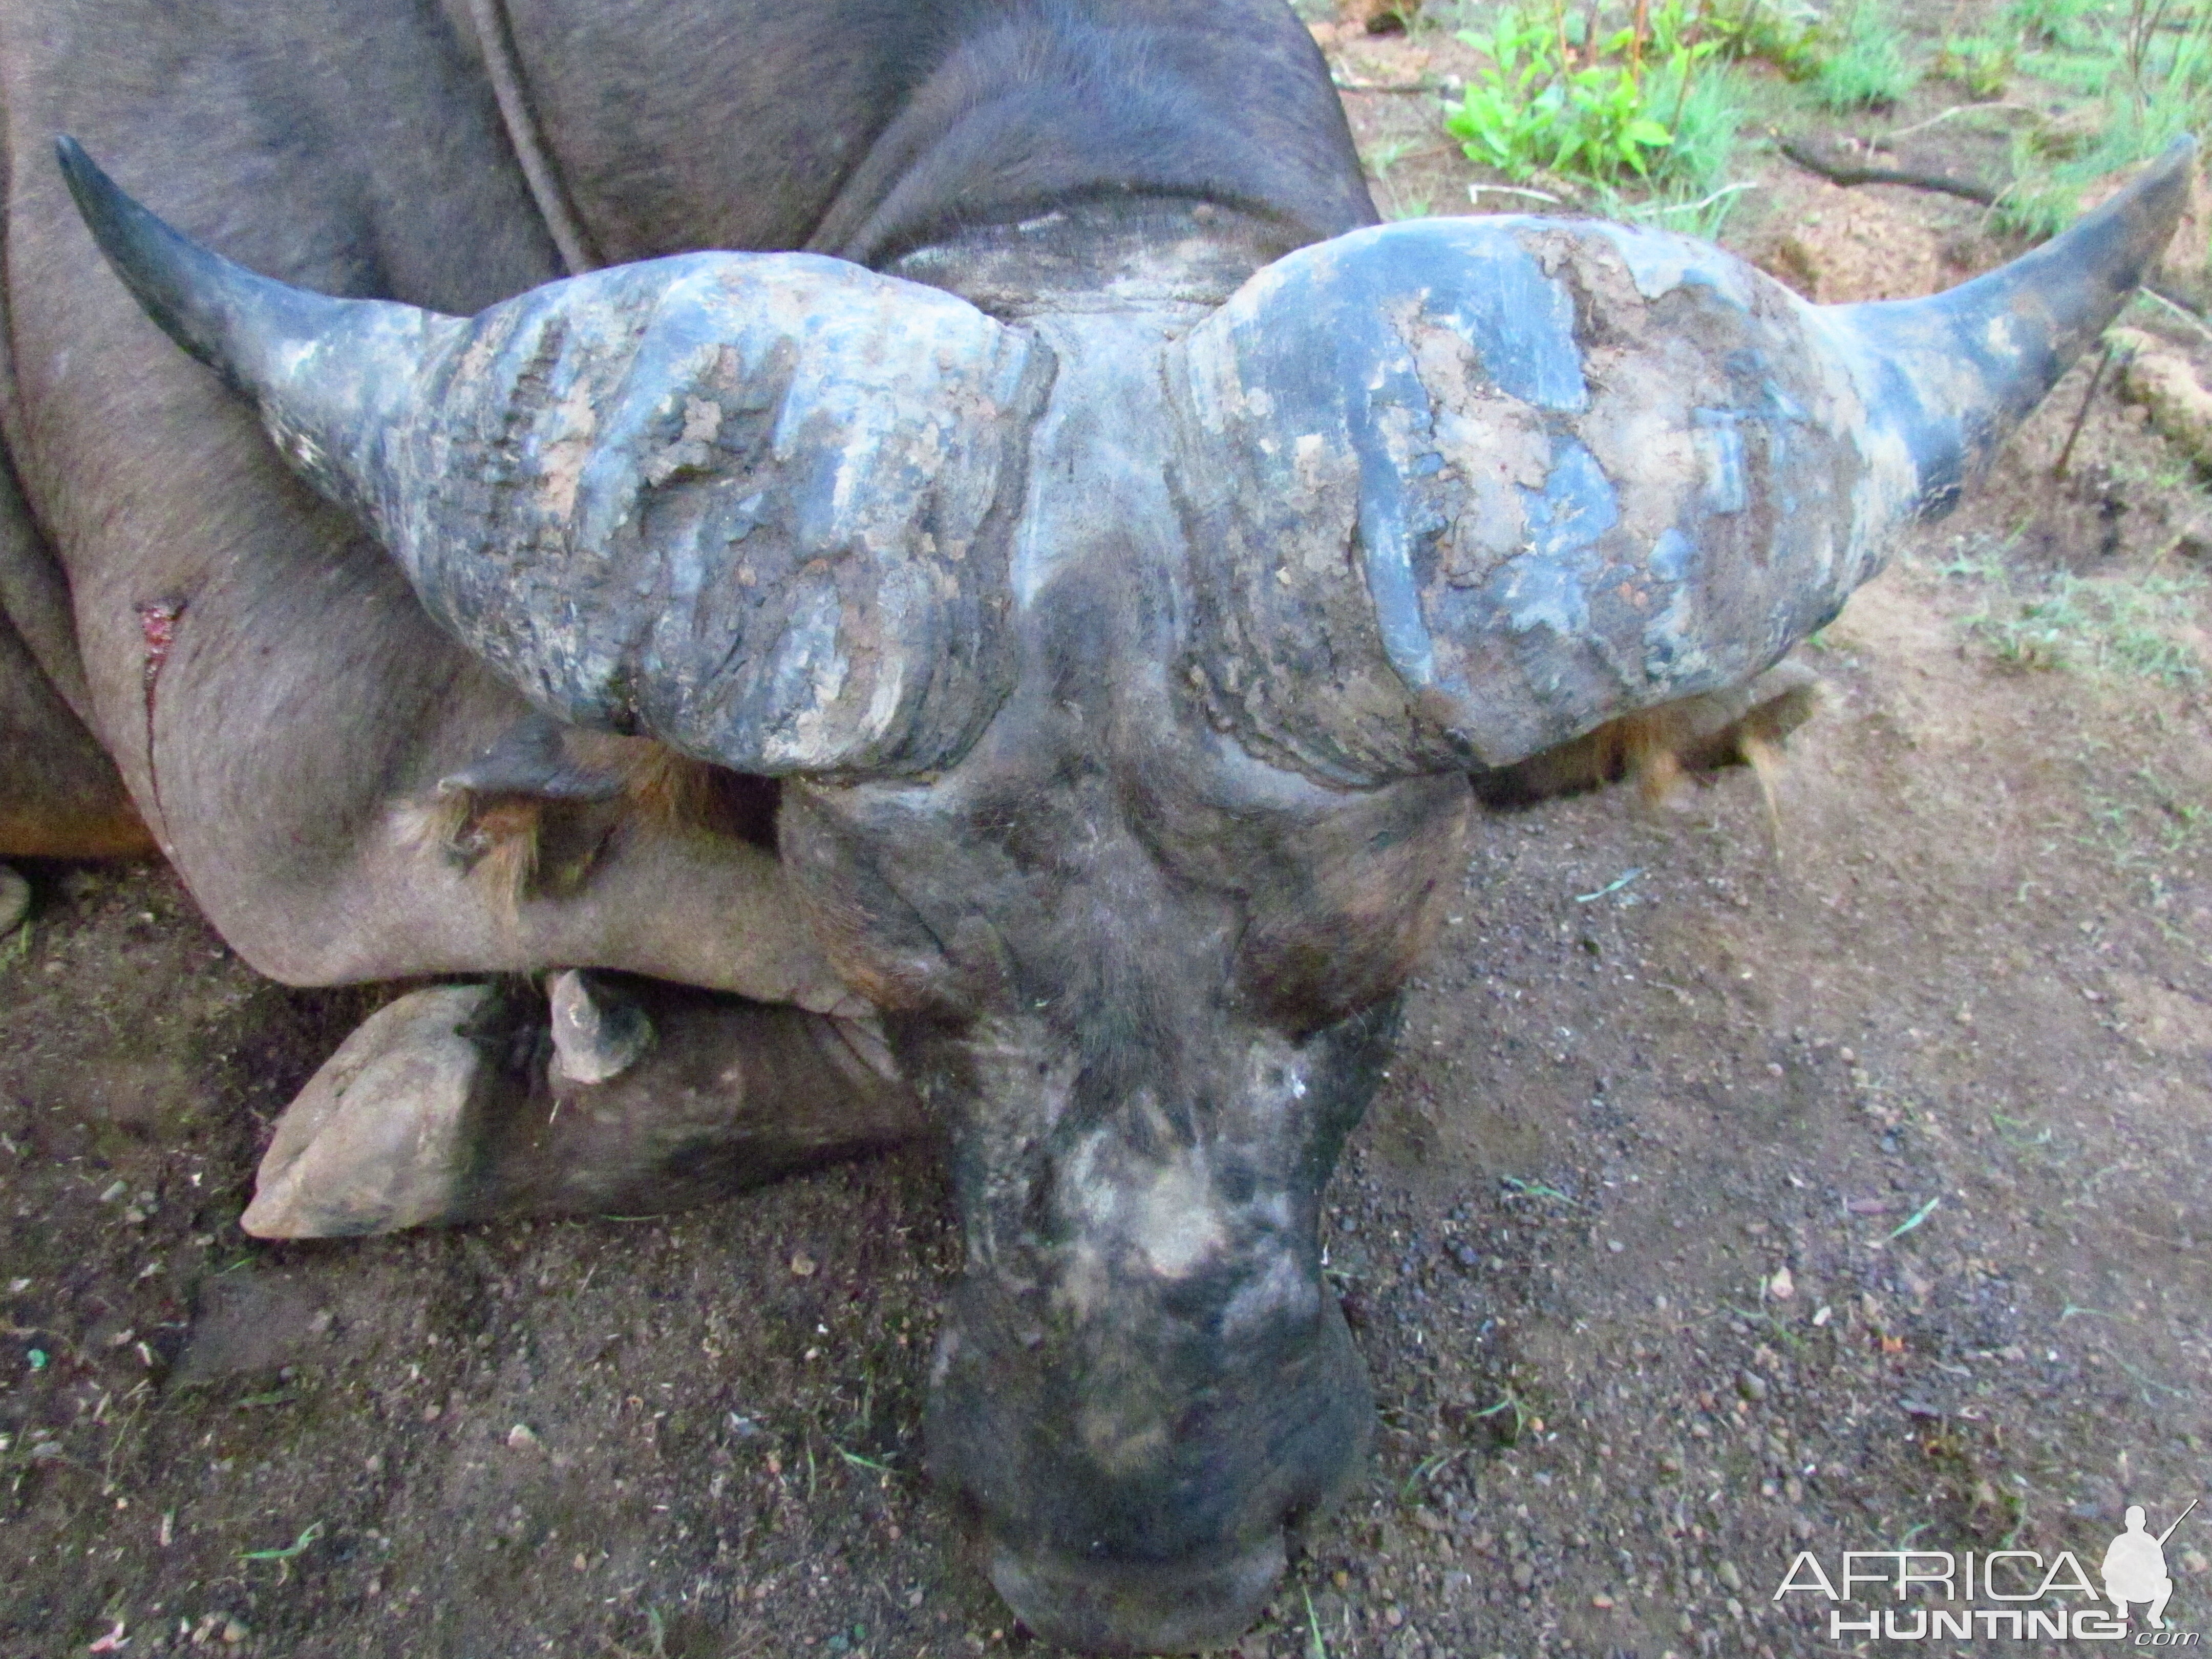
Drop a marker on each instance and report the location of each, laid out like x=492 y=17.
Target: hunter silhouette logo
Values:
x=2006 y=1595
x=2135 y=1566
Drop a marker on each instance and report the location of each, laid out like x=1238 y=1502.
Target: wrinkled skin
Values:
x=1147 y=981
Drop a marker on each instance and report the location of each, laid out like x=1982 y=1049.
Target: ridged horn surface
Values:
x=1461 y=490
x=1953 y=373
x=328 y=376
x=758 y=506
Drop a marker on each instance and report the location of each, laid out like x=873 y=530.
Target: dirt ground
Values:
x=1748 y=1183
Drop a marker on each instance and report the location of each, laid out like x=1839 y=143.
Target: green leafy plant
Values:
x=1769 y=31
x=1587 y=108
x=1690 y=191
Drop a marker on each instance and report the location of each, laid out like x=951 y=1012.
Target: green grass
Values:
x=2071 y=23
x=1540 y=105
x=1703 y=111
x=1381 y=160
x=2102 y=626
x=2148 y=63
x=2083 y=74
x=2150 y=830
x=1866 y=67
x=2149 y=824
x=1981 y=65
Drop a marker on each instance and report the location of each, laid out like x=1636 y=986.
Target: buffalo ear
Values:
x=757 y=506
x=1466 y=488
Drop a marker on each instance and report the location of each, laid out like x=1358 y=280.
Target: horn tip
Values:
x=96 y=194
x=2166 y=179
x=174 y=279
x=2173 y=166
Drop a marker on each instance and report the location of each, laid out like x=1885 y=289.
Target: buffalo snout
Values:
x=1132 y=1470
x=1144 y=1382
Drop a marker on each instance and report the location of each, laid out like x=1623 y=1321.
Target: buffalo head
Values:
x=1126 y=665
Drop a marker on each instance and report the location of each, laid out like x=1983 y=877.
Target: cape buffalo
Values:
x=1022 y=664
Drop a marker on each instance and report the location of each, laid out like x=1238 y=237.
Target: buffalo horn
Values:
x=1465 y=488
x=757 y=506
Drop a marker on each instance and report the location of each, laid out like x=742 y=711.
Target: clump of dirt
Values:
x=1839 y=247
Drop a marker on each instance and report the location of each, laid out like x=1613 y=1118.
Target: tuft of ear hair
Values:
x=496 y=841
x=676 y=792
x=533 y=815
x=1661 y=748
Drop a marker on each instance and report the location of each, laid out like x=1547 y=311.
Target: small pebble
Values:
x=802 y=1264
x=520 y=1438
x=1847 y=1056
x=1750 y=1385
x=1729 y=1577
x=1523 y=1575
x=1782 y=1286
x=233 y=1632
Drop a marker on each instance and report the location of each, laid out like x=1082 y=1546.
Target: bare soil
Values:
x=1748 y=1182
